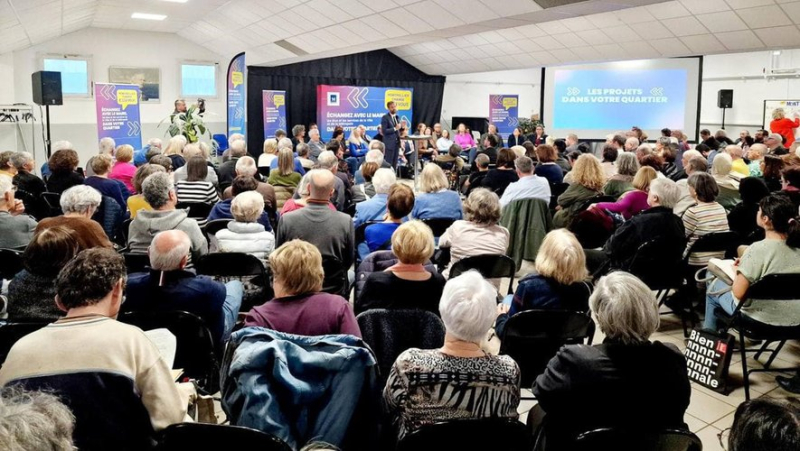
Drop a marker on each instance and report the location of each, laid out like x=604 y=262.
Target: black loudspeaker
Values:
x=725 y=98
x=47 y=88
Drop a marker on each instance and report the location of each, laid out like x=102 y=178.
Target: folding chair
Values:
x=630 y=440
x=490 y=266
x=197 y=210
x=438 y=225
x=194 y=436
x=238 y=265
x=10 y=263
x=53 y=203
x=335 y=281
x=469 y=435
x=136 y=262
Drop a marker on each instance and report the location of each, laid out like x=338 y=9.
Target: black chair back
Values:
x=335 y=281
x=438 y=225
x=53 y=203
x=361 y=231
x=195 y=352
x=777 y=287
x=10 y=333
x=469 y=435
x=717 y=242
x=212 y=227
x=659 y=264
x=490 y=266
x=533 y=337
x=622 y=440
x=264 y=171
x=124 y=232
x=230 y=264
x=10 y=263
x=197 y=210
x=195 y=436
x=556 y=189
x=136 y=262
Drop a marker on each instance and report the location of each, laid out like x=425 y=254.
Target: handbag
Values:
x=708 y=358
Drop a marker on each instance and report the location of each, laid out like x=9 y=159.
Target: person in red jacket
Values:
x=784 y=126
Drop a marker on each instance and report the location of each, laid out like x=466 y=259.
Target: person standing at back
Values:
x=390 y=128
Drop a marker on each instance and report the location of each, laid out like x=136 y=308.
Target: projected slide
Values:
x=351 y=106
x=599 y=99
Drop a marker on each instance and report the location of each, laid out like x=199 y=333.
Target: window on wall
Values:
x=74 y=73
x=198 y=80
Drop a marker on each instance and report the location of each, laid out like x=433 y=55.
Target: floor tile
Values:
x=707 y=408
x=708 y=435
x=695 y=424
x=724 y=423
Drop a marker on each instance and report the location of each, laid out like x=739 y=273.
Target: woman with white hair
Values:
x=627 y=381
x=728 y=186
x=34 y=420
x=244 y=234
x=79 y=204
x=435 y=199
x=174 y=151
x=270 y=153
x=458 y=380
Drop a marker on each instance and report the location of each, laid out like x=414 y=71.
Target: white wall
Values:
x=468 y=94
x=76 y=119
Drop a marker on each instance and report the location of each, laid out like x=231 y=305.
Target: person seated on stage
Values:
x=587 y=387
x=765 y=424
x=16 y=227
x=241 y=184
x=374 y=208
x=300 y=307
x=435 y=199
x=110 y=374
x=406 y=284
x=423 y=383
x=632 y=202
x=529 y=186
x=476 y=177
x=444 y=142
x=101 y=165
x=378 y=236
x=244 y=234
x=558 y=282
x=168 y=286
x=136 y=202
x=123 y=169
x=79 y=204
x=63 y=166
x=777 y=253
x=195 y=189
x=357 y=149
x=498 y=179
x=34 y=420
x=627 y=166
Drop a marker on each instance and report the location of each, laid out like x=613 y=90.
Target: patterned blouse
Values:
x=427 y=386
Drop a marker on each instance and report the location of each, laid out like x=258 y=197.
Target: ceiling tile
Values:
x=793 y=11
x=670 y=47
x=738 y=4
x=705 y=6
x=722 y=21
x=779 y=36
x=569 y=40
x=596 y=37
x=651 y=30
x=577 y=24
x=549 y=43
x=740 y=40
x=531 y=31
x=764 y=17
x=639 y=49
x=622 y=33
x=703 y=43
x=685 y=26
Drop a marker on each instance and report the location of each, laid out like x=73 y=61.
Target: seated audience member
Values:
x=195 y=188
x=727 y=185
x=379 y=236
x=29 y=186
x=452 y=155
x=742 y=218
x=771 y=169
x=406 y=284
x=189 y=152
x=285 y=175
x=738 y=165
x=479 y=234
x=610 y=155
x=140 y=155
x=168 y=286
x=621 y=182
x=303 y=155
x=588 y=181
x=706 y=217
x=476 y=177
x=244 y=234
x=315 y=147
x=296 y=204
x=558 y=282
x=547 y=166
x=110 y=374
x=530 y=185
x=162 y=161
x=106 y=146
x=599 y=379
x=357 y=147
x=270 y=153
x=366 y=190
x=791 y=184
x=159 y=192
x=375 y=155
x=423 y=384
x=7 y=167
x=136 y=202
x=697 y=163
x=680 y=173
x=327 y=160
x=777 y=253
x=246 y=166
x=63 y=167
x=331 y=232
x=227 y=170
x=374 y=208
x=79 y=204
x=756 y=156
x=653 y=161
x=16 y=227
x=32 y=292
x=123 y=169
x=656 y=222
x=299 y=306
x=101 y=165
x=435 y=199
x=34 y=420
x=489 y=147
x=241 y=184
x=774 y=143
x=765 y=424
x=174 y=151
x=632 y=202
x=498 y=179
x=296 y=164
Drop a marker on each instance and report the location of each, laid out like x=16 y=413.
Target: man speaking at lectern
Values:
x=390 y=127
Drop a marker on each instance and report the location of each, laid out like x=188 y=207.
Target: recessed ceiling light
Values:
x=776 y=52
x=145 y=16
x=175 y=1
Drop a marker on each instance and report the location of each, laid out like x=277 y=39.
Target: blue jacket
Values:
x=299 y=388
x=222 y=210
x=140 y=156
x=298 y=167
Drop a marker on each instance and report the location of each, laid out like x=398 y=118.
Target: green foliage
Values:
x=189 y=124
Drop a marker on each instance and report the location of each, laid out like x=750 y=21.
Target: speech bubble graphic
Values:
x=237 y=78
x=509 y=102
x=402 y=99
x=280 y=100
x=127 y=97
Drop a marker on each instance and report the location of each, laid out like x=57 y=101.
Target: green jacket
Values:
x=615 y=187
x=527 y=221
x=570 y=202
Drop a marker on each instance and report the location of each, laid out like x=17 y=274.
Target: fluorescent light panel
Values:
x=175 y=1
x=146 y=16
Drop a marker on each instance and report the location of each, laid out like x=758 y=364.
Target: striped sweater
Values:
x=199 y=191
x=702 y=219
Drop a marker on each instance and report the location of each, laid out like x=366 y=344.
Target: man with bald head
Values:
x=330 y=231
x=169 y=286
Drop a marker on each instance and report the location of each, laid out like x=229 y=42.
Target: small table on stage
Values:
x=416 y=140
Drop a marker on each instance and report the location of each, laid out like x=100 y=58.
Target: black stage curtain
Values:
x=380 y=68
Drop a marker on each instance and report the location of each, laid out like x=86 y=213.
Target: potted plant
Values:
x=189 y=124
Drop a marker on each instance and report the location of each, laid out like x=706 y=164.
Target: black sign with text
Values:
x=708 y=357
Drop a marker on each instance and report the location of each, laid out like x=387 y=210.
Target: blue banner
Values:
x=236 y=95
x=351 y=106
x=118 y=113
x=504 y=113
x=274 y=112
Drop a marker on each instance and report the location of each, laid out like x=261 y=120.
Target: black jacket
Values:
x=653 y=223
x=636 y=386
x=515 y=141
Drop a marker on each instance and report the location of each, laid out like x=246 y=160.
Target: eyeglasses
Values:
x=723 y=438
